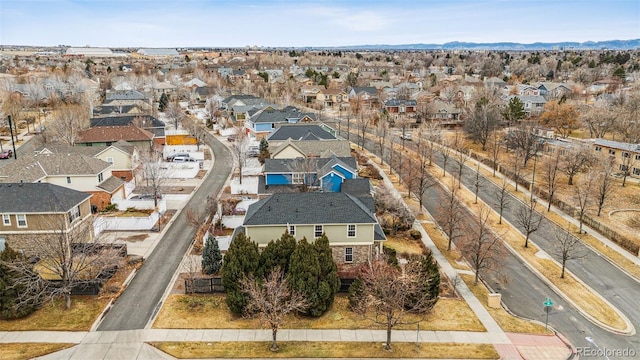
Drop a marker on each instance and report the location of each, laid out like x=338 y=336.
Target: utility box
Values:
x=494 y=300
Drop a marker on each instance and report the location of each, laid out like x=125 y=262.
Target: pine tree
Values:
x=11 y=293
x=163 y=103
x=211 y=256
x=276 y=254
x=240 y=261
x=429 y=276
x=264 y=151
x=328 y=280
x=304 y=271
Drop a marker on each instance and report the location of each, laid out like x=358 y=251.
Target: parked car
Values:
x=184 y=159
x=231 y=138
x=6 y=154
x=173 y=156
x=406 y=136
x=253 y=152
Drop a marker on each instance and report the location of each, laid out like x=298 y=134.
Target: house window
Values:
x=297 y=178
x=637 y=157
x=348 y=255
x=6 y=219
x=21 y=220
x=110 y=160
x=74 y=213
x=636 y=171
x=625 y=154
x=598 y=148
x=273 y=125
x=68 y=179
x=317 y=231
x=612 y=152
x=351 y=230
x=100 y=178
x=292 y=230
x=623 y=168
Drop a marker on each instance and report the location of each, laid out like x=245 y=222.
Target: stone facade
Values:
x=361 y=254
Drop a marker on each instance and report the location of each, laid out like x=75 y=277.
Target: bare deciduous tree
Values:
x=575 y=159
x=494 y=149
x=450 y=216
x=462 y=156
x=502 y=198
x=480 y=246
x=445 y=152
x=604 y=181
x=154 y=172
x=524 y=141
x=272 y=300
x=391 y=293
x=174 y=113
x=239 y=149
x=70 y=120
x=382 y=130
x=529 y=220
x=550 y=167
x=582 y=196
x=565 y=247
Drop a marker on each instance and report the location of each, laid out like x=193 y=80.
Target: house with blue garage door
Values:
x=325 y=174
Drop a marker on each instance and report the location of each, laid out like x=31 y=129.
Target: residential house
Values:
x=291 y=149
x=34 y=210
x=625 y=155
x=72 y=170
x=123 y=156
x=145 y=122
x=553 y=90
x=107 y=135
x=240 y=107
x=368 y=95
x=355 y=236
x=400 y=107
x=301 y=132
x=108 y=110
x=326 y=174
x=445 y=112
x=533 y=105
x=157 y=89
x=127 y=97
x=331 y=97
x=263 y=122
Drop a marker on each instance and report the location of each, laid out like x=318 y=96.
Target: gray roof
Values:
x=300 y=132
x=361 y=189
x=333 y=161
x=34 y=168
x=125 y=95
x=58 y=148
x=111 y=184
x=617 y=145
x=38 y=198
x=280 y=116
x=317 y=148
x=305 y=165
x=367 y=89
x=309 y=208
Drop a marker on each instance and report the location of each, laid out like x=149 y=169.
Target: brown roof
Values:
x=113 y=134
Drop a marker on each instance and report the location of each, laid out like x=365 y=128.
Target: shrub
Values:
x=415 y=234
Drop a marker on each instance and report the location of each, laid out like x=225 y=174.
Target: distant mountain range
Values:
x=588 y=45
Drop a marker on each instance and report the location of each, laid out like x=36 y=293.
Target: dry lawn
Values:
x=260 y=350
x=211 y=312
x=53 y=316
x=24 y=351
x=404 y=245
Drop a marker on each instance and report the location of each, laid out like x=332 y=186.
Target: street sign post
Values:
x=548 y=304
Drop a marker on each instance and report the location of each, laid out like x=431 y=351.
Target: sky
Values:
x=303 y=23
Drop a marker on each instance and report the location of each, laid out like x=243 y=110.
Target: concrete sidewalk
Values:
x=132 y=344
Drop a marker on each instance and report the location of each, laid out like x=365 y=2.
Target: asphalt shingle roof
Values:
x=34 y=168
x=318 y=148
x=300 y=132
x=303 y=165
x=113 y=134
x=38 y=198
x=308 y=208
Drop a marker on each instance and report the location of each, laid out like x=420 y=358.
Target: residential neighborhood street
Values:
x=142 y=298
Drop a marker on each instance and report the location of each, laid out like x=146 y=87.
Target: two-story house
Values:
x=353 y=231
x=145 y=122
x=291 y=149
x=32 y=210
x=325 y=174
x=262 y=123
x=71 y=170
x=123 y=156
x=625 y=155
x=533 y=104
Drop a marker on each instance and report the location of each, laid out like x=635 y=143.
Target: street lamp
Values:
x=548 y=305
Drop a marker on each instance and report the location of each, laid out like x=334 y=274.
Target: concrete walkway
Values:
x=132 y=344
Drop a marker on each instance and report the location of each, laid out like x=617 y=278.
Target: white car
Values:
x=406 y=136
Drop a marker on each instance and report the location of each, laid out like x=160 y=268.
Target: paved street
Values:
x=142 y=298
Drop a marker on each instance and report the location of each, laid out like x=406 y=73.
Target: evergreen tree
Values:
x=240 y=261
x=429 y=274
x=163 y=103
x=514 y=110
x=211 y=256
x=264 y=151
x=356 y=293
x=328 y=281
x=304 y=271
x=11 y=293
x=276 y=254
